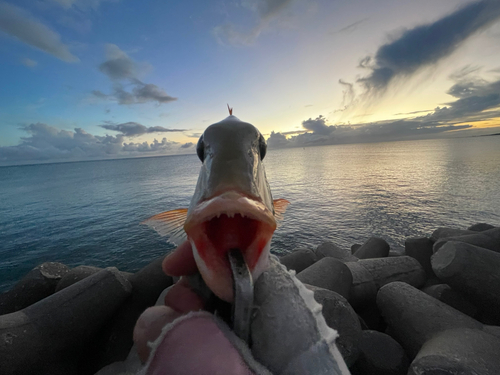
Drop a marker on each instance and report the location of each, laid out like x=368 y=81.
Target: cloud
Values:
x=118 y=64
x=427 y=44
x=132 y=129
x=22 y=26
x=264 y=11
x=119 y=67
x=476 y=100
x=47 y=143
x=187 y=145
x=318 y=126
x=146 y=92
x=29 y=63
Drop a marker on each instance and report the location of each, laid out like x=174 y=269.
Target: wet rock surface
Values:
x=432 y=309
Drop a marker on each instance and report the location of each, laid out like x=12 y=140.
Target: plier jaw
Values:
x=238 y=315
x=243 y=295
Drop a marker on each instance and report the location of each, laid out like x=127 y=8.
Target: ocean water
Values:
x=89 y=212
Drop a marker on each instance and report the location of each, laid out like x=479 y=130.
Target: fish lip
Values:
x=212 y=259
x=230 y=203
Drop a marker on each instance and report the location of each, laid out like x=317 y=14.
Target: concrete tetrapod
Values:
x=458 y=351
x=451 y=297
x=421 y=249
x=471 y=270
x=374 y=247
x=340 y=315
x=403 y=268
x=50 y=336
x=328 y=273
x=363 y=289
x=478 y=239
x=39 y=283
x=115 y=341
x=480 y=227
x=329 y=249
x=414 y=317
x=299 y=260
x=380 y=354
x=444 y=232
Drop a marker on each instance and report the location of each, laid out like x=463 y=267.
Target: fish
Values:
x=232 y=206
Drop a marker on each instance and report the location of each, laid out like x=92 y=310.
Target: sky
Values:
x=97 y=79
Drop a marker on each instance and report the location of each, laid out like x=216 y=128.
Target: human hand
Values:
x=288 y=332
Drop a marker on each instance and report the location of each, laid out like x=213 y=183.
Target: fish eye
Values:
x=262 y=147
x=200 y=149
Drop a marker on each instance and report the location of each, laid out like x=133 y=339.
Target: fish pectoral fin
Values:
x=169 y=224
x=280 y=206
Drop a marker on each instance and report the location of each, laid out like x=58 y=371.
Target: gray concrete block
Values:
x=374 y=247
x=449 y=232
x=340 y=316
x=444 y=293
x=477 y=239
x=480 y=227
x=363 y=289
x=355 y=247
x=415 y=317
x=458 y=351
x=52 y=335
x=421 y=249
x=299 y=259
x=115 y=341
x=471 y=270
x=329 y=249
x=76 y=274
x=380 y=354
x=39 y=283
x=403 y=268
x=328 y=273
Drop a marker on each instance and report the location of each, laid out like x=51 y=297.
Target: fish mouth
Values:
x=229 y=221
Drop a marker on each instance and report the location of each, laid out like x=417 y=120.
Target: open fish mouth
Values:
x=229 y=221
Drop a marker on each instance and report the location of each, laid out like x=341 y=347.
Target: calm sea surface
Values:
x=89 y=212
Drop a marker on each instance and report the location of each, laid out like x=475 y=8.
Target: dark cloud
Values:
x=146 y=92
x=476 y=100
x=24 y=27
x=427 y=44
x=278 y=140
x=47 y=143
x=119 y=67
x=318 y=126
x=187 y=145
x=132 y=129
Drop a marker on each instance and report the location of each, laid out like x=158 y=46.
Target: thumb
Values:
x=200 y=343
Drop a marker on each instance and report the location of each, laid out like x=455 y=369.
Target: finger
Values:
x=183 y=299
x=148 y=327
x=180 y=262
x=197 y=346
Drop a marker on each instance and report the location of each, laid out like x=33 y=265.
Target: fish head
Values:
x=232 y=207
